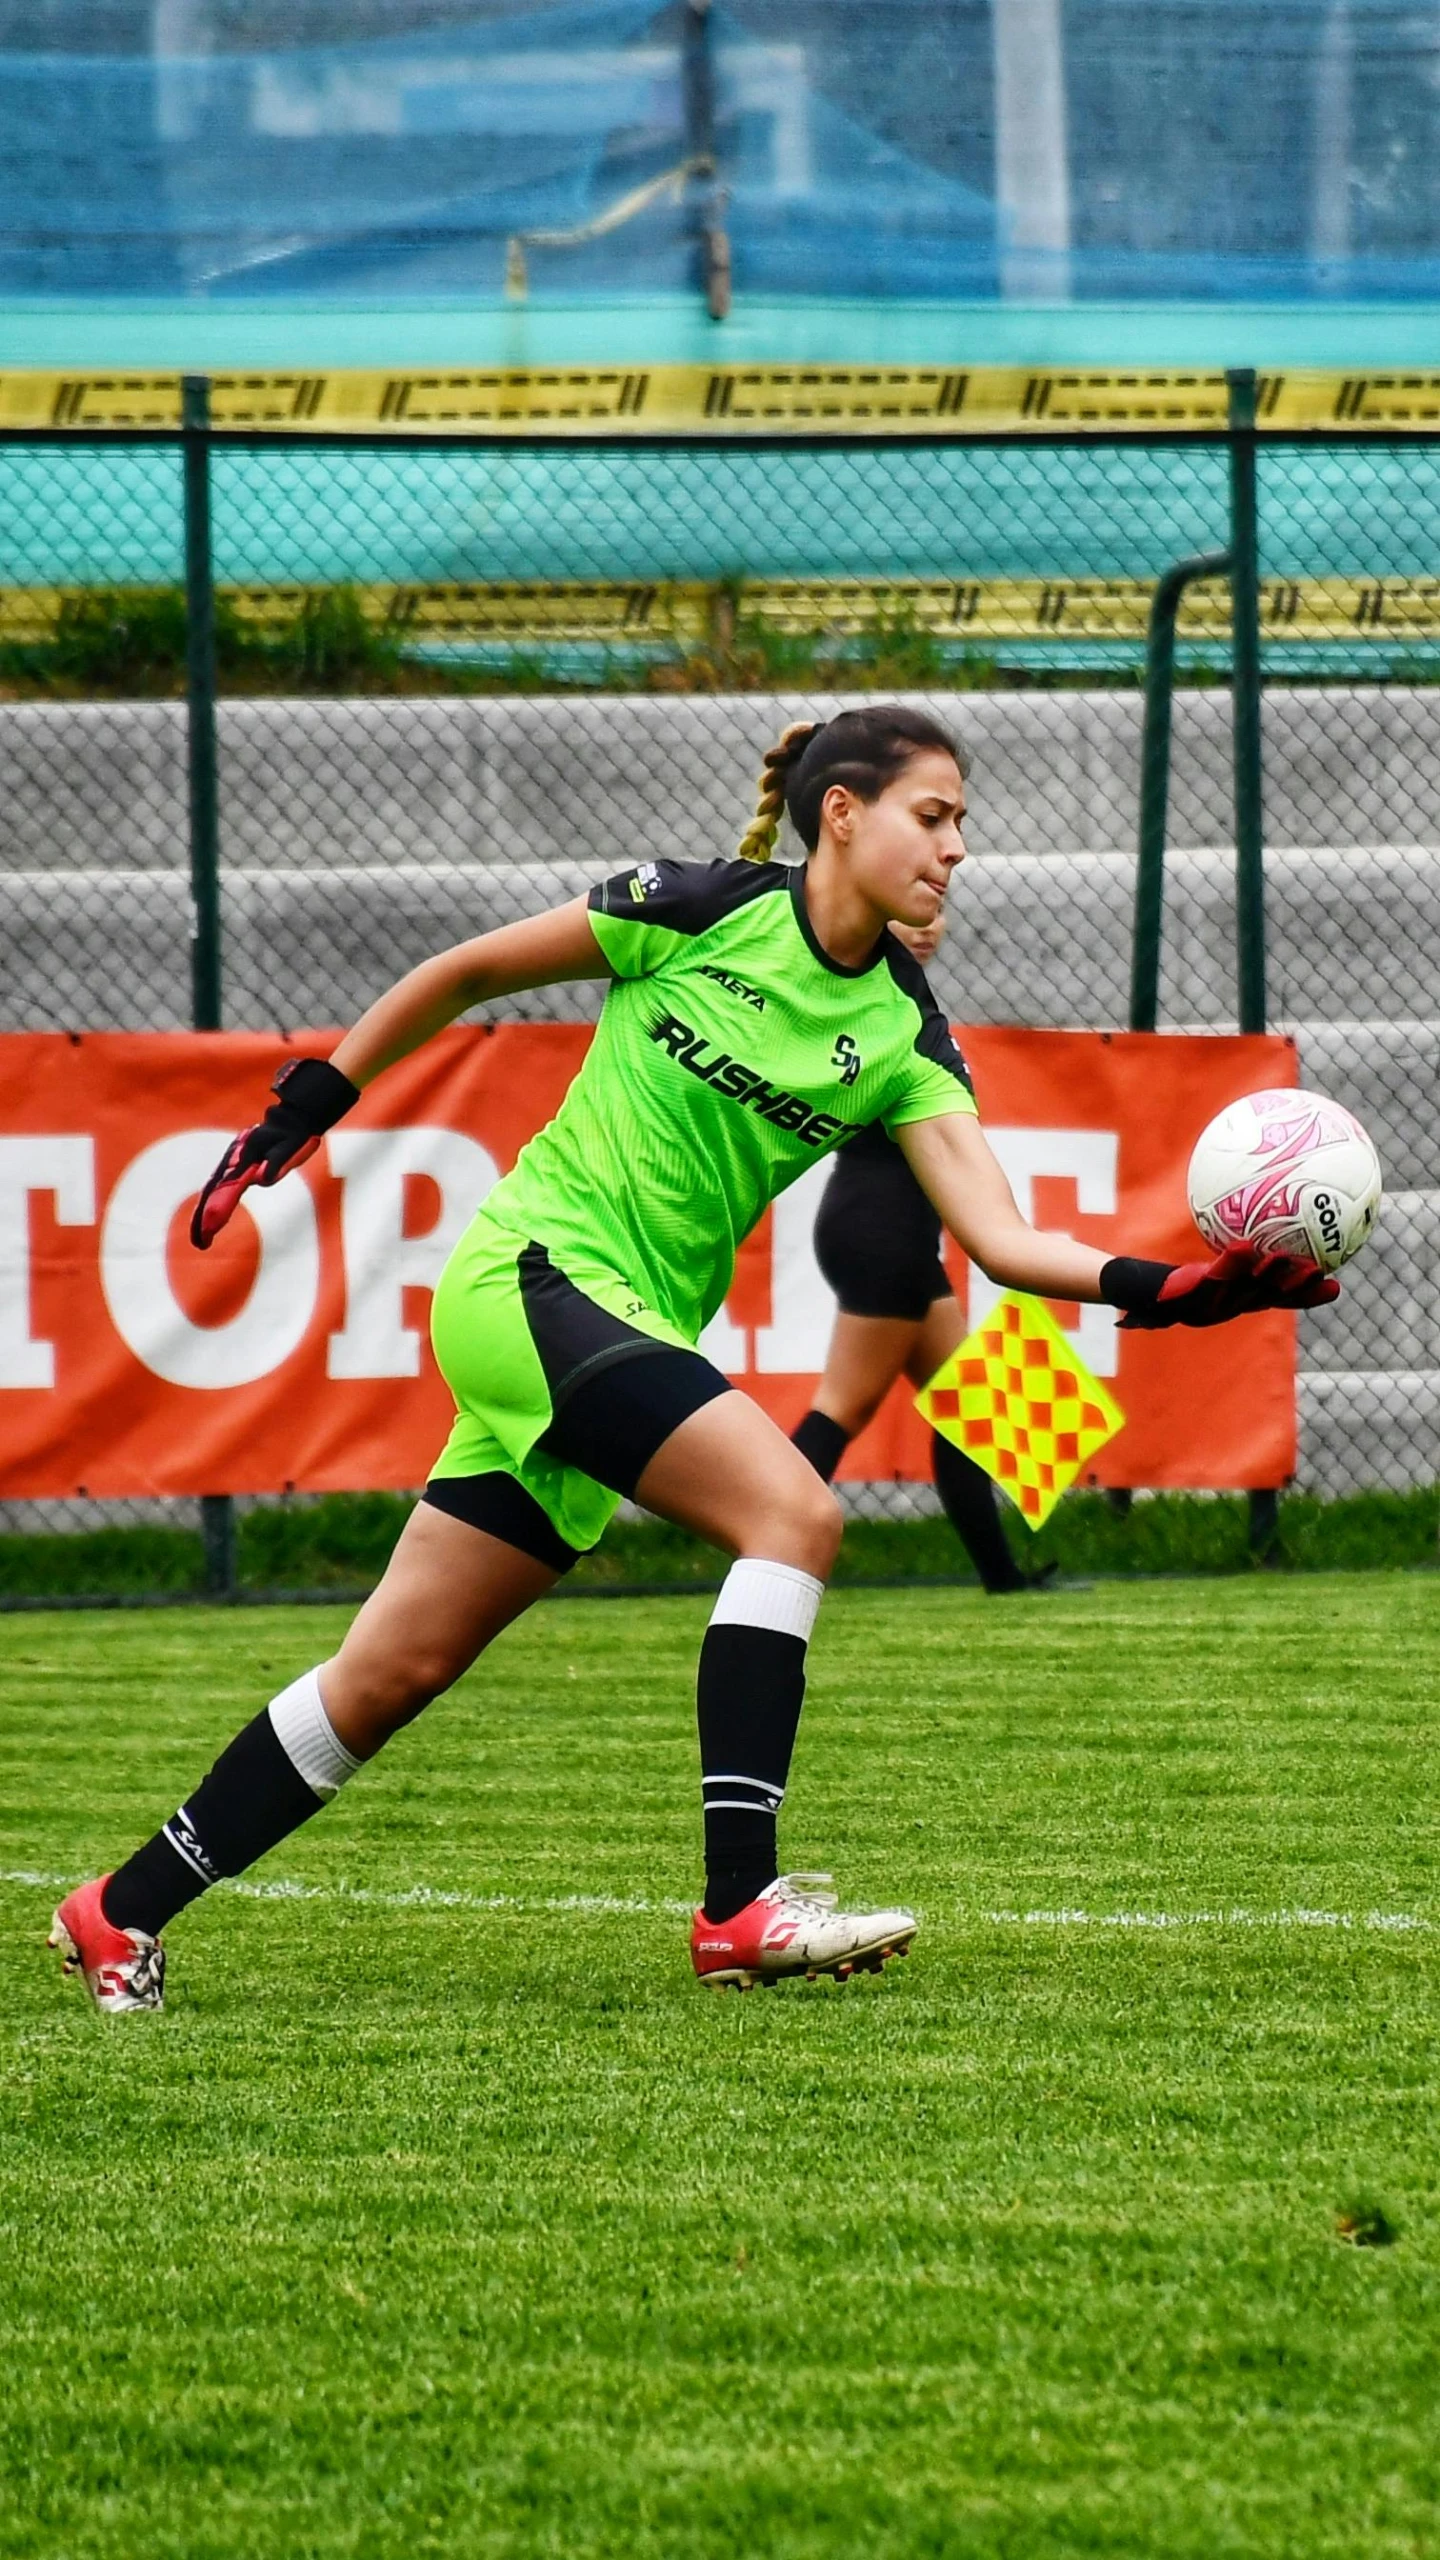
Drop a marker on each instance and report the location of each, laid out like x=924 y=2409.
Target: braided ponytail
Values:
x=863 y=749
x=758 y=842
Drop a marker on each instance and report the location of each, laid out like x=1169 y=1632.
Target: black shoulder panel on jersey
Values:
x=933 y=1038
x=686 y=897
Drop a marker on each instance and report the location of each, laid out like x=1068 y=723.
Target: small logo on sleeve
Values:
x=644 y=883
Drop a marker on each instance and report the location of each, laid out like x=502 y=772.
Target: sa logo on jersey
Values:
x=644 y=883
x=846 y=1056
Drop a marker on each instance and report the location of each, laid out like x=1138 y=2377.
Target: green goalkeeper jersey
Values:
x=732 y=1052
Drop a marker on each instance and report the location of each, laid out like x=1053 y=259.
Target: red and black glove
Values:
x=1239 y=1282
x=313 y=1095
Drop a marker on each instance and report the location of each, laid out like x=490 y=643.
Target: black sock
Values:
x=750 y=1691
x=822 y=1441
x=973 y=1510
x=253 y=1798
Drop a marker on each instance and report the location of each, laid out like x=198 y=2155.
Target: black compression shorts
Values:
x=610 y=1426
x=877 y=1239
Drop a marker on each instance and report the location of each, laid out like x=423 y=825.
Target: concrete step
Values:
x=538 y=778
x=110 y=950
x=1354 y=936
x=1388 y=1316
x=1388 y=1073
x=1361 y=1429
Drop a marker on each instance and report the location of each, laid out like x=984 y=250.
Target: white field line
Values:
x=415 y=1897
x=427 y=1897
x=1398 y=1922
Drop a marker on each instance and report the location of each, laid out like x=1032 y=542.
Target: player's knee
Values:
x=389 y=1689
x=805 y=1525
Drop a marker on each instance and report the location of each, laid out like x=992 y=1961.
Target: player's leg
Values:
x=632 y=1413
x=449 y=1588
x=476 y=1552
x=728 y=1474
x=972 y=1506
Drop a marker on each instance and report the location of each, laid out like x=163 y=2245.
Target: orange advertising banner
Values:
x=295 y=1354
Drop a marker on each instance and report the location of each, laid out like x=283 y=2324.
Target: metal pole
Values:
x=217 y=1510
x=698 y=66
x=1264 y=1505
x=1263 y=1536
x=1245 y=681
x=217 y=1540
x=200 y=710
x=1155 y=780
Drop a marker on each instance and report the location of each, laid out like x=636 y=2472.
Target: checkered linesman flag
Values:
x=1017 y=1399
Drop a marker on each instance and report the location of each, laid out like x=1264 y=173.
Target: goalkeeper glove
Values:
x=1242 y=1281
x=312 y=1096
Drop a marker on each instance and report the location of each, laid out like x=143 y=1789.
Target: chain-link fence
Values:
x=458 y=680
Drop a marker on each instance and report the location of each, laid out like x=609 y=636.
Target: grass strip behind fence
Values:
x=342 y=1542
x=130 y=644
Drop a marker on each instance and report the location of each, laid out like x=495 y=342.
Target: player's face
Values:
x=902 y=848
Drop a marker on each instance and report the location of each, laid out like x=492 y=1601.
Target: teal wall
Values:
x=79 y=336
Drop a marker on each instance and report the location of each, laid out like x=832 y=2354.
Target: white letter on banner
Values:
x=65 y=1167
x=273 y=1321
x=727 y=1344
x=381 y=1261
x=802 y=1309
x=1090 y=1159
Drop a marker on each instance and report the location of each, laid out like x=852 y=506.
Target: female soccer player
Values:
x=757 y=1016
x=877 y=1241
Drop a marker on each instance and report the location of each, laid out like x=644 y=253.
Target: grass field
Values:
x=442 y=2213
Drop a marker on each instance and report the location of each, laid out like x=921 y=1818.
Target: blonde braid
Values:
x=758 y=842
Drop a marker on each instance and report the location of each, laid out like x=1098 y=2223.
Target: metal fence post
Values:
x=217 y=1510
x=1155 y=780
x=1245 y=681
x=200 y=710
x=1264 y=1505
x=698 y=64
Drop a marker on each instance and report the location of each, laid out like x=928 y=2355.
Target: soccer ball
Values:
x=1289 y=1172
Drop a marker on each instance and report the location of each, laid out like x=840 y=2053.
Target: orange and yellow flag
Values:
x=1017 y=1399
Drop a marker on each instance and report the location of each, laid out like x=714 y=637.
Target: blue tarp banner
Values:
x=1119 y=150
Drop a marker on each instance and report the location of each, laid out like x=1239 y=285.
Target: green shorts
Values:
x=517 y=1339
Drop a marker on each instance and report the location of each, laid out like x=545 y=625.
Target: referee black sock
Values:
x=749 y=1694
x=279 y=1769
x=973 y=1511
x=822 y=1441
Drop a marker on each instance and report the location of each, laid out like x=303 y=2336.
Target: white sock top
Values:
x=309 y=1739
x=757 y=1592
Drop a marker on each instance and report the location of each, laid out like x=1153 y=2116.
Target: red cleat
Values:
x=123 y=1968
x=795 y=1927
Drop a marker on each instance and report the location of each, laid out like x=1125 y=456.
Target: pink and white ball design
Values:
x=1289 y=1172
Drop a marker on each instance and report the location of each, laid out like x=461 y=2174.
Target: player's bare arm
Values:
x=313 y=1093
x=955 y=1166
x=543 y=951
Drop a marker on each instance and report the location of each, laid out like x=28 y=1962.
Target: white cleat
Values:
x=796 y=1927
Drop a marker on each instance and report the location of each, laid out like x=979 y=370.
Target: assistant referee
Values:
x=877 y=1241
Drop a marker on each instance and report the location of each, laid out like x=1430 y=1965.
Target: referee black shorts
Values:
x=877 y=1239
